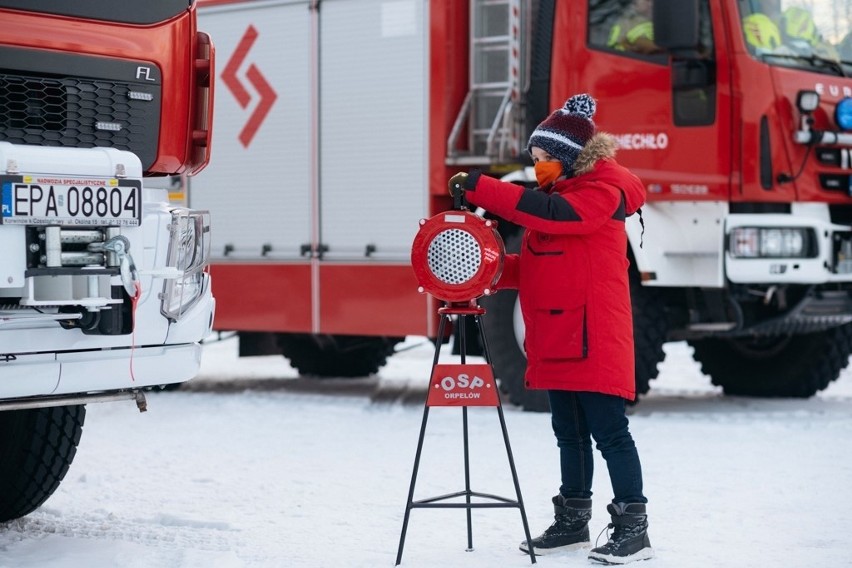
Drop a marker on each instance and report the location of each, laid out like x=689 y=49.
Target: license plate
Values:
x=46 y=200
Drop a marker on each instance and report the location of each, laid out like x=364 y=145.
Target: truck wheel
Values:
x=326 y=356
x=36 y=448
x=504 y=331
x=649 y=330
x=781 y=366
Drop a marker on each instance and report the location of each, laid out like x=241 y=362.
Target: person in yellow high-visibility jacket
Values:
x=768 y=28
x=634 y=31
x=797 y=24
x=761 y=32
x=760 y=27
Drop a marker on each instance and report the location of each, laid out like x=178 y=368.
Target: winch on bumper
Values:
x=102 y=283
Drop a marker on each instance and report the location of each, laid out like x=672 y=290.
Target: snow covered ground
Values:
x=288 y=475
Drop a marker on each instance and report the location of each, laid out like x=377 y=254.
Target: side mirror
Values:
x=676 y=25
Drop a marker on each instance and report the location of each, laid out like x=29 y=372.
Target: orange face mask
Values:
x=547 y=172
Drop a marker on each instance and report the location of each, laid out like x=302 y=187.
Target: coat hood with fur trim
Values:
x=603 y=146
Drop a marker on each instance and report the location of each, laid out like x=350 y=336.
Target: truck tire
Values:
x=649 y=330
x=503 y=328
x=507 y=357
x=782 y=366
x=325 y=356
x=36 y=448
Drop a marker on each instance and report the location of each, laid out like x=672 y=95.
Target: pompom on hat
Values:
x=565 y=132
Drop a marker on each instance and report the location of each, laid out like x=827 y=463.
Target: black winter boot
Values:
x=570 y=529
x=629 y=539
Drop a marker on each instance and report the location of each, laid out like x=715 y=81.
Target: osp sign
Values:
x=462 y=385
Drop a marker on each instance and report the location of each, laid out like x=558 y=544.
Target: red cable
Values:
x=133 y=302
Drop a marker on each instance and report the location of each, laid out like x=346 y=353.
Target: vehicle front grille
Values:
x=42 y=106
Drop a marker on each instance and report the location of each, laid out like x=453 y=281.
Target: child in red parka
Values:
x=571 y=276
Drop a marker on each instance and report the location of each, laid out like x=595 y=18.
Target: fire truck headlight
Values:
x=189 y=253
x=807 y=101
x=766 y=242
x=843 y=114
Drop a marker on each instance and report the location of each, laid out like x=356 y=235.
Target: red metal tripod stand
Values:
x=463 y=385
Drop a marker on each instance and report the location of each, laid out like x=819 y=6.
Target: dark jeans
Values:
x=577 y=417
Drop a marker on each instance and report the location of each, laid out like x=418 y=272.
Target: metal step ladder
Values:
x=491 y=116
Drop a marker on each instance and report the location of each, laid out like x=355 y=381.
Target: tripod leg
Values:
x=508 y=446
x=411 y=487
x=463 y=345
x=515 y=480
x=467 y=480
x=422 y=436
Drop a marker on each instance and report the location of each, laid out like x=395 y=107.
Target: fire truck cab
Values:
x=103 y=288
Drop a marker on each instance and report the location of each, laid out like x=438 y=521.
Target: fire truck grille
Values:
x=49 y=109
x=454 y=256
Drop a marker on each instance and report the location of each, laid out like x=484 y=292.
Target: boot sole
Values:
x=644 y=554
x=554 y=550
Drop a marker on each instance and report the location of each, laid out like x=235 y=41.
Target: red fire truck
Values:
x=103 y=282
x=340 y=121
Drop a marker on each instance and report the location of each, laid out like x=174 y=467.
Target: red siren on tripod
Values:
x=457 y=256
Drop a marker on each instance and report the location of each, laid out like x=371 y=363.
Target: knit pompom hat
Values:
x=565 y=132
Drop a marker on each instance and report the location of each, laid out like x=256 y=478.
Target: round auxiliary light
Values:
x=457 y=256
x=807 y=101
x=843 y=114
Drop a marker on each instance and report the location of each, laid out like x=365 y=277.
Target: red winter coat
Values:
x=571 y=273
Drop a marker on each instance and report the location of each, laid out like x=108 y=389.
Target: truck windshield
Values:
x=140 y=12
x=798 y=33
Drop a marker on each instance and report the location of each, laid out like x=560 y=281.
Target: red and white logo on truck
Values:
x=258 y=81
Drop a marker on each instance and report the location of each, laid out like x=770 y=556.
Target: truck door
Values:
x=372 y=137
x=675 y=135
x=320 y=133
x=319 y=176
x=672 y=117
x=373 y=151
x=256 y=185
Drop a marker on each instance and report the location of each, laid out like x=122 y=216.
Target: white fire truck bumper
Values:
x=98 y=371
